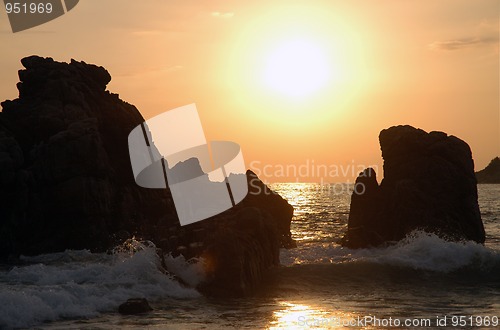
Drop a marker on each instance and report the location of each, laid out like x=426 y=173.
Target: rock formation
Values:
x=429 y=184
x=134 y=306
x=65 y=173
x=235 y=264
x=491 y=173
x=66 y=181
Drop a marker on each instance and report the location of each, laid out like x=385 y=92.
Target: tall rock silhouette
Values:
x=429 y=184
x=66 y=178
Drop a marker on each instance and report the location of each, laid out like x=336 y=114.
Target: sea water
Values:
x=421 y=282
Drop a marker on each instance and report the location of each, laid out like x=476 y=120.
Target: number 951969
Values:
x=28 y=8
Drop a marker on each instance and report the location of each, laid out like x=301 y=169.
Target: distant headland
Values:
x=491 y=173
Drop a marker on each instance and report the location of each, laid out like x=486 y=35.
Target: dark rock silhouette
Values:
x=491 y=173
x=236 y=265
x=429 y=184
x=259 y=195
x=66 y=181
x=134 y=306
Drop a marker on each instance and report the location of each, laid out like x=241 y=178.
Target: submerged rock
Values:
x=491 y=173
x=429 y=184
x=66 y=182
x=134 y=306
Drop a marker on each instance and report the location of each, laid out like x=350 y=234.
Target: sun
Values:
x=296 y=68
x=297 y=61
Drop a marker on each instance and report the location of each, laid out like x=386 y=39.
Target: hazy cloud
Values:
x=149 y=71
x=173 y=68
x=484 y=33
x=222 y=15
x=147 y=33
x=456 y=44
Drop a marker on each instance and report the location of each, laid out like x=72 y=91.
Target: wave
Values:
x=80 y=284
x=418 y=251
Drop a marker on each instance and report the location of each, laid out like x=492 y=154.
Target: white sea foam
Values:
x=79 y=284
x=190 y=271
x=419 y=250
x=426 y=251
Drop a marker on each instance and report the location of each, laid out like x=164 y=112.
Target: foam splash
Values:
x=424 y=251
x=80 y=284
x=419 y=250
x=190 y=271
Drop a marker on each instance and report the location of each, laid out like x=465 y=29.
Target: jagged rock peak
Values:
x=40 y=70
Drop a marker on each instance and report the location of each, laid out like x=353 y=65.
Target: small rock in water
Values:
x=134 y=306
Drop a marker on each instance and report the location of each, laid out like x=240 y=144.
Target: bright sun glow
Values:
x=297 y=61
x=296 y=68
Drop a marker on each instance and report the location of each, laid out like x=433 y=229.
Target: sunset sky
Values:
x=293 y=82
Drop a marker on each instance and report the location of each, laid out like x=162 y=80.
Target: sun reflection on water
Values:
x=295 y=193
x=296 y=316
x=318 y=214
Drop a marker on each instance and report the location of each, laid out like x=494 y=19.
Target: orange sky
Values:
x=430 y=64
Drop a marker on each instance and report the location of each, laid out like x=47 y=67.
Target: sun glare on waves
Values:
x=300 y=316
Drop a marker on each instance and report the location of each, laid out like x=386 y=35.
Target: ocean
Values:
x=422 y=282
